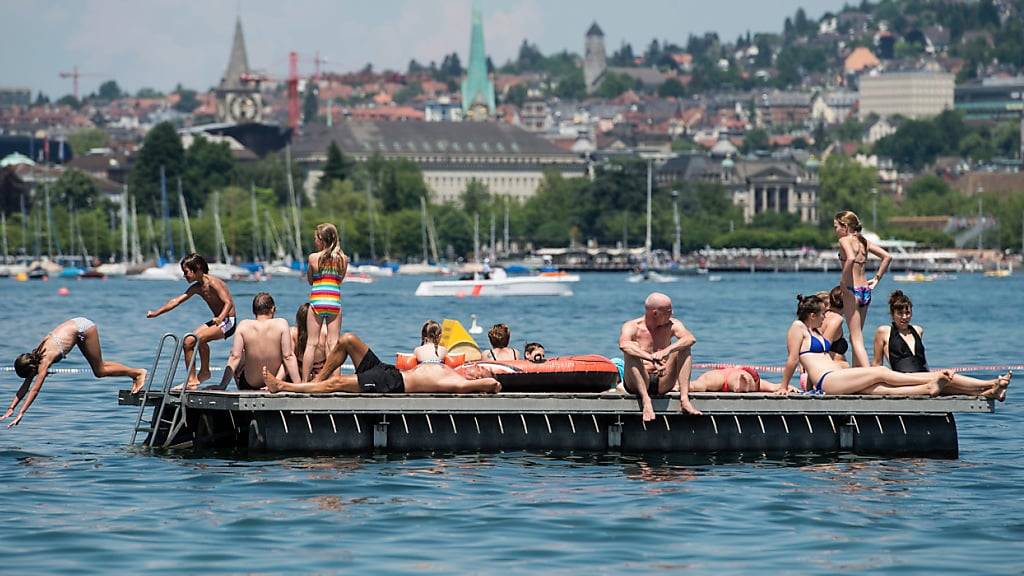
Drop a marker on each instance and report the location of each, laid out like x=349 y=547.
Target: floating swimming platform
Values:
x=258 y=421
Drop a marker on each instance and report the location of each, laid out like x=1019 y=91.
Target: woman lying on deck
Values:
x=55 y=347
x=902 y=343
x=807 y=347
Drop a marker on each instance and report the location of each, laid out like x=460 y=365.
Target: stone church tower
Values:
x=594 y=60
x=238 y=96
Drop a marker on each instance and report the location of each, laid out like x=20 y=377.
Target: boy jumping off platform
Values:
x=215 y=292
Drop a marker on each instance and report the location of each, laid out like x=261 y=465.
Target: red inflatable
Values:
x=589 y=373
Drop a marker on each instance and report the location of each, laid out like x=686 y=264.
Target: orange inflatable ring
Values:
x=571 y=374
x=408 y=361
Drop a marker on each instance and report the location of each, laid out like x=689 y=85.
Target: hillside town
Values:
x=910 y=113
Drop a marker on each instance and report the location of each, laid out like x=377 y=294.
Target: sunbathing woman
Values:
x=55 y=347
x=732 y=379
x=853 y=254
x=807 y=347
x=902 y=343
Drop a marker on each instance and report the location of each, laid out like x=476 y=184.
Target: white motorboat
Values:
x=170 y=271
x=419 y=269
x=650 y=276
x=497 y=285
x=372 y=270
x=282 y=270
x=113 y=269
x=358 y=278
x=229 y=272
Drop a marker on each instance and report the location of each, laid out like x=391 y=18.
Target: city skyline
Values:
x=136 y=43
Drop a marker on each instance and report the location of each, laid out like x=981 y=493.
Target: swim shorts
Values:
x=376 y=377
x=227 y=326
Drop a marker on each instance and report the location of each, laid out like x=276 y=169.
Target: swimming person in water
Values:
x=374 y=376
x=215 y=293
x=430 y=351
x=55 y=346
x=807 y=347
x=853 y=255
x=326 y=272
x=902 y=344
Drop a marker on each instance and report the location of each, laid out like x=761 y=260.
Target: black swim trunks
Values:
x=377 y=377
x=241 y=382
x=652 y=383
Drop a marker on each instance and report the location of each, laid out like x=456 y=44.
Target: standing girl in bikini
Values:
x=326 y=272
x=853 y=254
x=806 y=346
x=55 y=347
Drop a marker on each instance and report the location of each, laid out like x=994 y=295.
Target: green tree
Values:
x=109 y=90
x=161 y=147
x=476 y=198
x=844 y=185
x=187 y=100
x=208 y=166
x=756 y=139
x=977 y=147
x=671 y=88
x=516 y=95
x=614 y=84
x=86 y=139
x=915 y=143
x=570 y=85
x=338 y=167
x=78 y=188
x=13 y=190
x=147 y=92
x=69 y=100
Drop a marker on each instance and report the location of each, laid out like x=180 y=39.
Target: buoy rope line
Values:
x=699 y=365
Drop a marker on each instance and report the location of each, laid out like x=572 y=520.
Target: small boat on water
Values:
x=169 y=271
x=358 y=278
x=650 y=276
x=914 y=277
x=499 y=284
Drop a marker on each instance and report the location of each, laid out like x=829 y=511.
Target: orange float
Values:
x=571 y=374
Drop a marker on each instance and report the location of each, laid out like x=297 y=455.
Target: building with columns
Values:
x=782 y=186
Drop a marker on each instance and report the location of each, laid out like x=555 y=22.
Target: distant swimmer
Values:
x=902 y=344
x=807 y=347
x=534 y=352
x=499 y=336
x=326 y=272
x=55 y=347
x=653 y=363
x=853 y=255
x=263 y=342
x=430 y=351
x=732 y=379
x=375 y=377
x=217 y=296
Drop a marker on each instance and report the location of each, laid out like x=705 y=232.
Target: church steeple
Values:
x=238 y=62
x=477 y=88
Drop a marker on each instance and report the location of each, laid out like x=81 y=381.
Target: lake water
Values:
x=76 y=499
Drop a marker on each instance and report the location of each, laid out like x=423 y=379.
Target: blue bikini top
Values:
x=818 y=346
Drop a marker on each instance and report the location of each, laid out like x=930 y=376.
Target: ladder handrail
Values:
x=179 y=409
x=149 y=380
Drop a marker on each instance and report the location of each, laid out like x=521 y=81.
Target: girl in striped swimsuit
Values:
x=326 y=272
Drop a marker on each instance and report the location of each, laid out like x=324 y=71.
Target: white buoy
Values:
x=474 y=328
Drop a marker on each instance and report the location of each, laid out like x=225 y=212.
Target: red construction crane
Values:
x=292 y=83
x=74 y=75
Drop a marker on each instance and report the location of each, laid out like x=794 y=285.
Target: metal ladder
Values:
x=177 y=420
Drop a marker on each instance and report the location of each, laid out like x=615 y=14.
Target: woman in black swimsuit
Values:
x=902 y=344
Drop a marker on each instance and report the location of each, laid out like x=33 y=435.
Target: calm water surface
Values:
x=76 y=499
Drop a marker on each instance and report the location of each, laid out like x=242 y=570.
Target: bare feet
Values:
x=686 y=406
x=273 y=382
x=189 y=386
x=139 y=381
x=204 y=375
x=941 y=380
x=648 y=410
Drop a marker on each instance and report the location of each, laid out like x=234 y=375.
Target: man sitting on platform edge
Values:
x=375 y=377
x=261 y=344
x=653 y=363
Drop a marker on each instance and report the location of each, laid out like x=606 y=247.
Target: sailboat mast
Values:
x=136 y=244
x=49 y=225
x=491 y=251
x=504 y=244
x=295 y=204
x=423 y=229
x=169 y=240
x=369 y=217
x=124 y=224
x=647 y=242
x=476 y=237
x=222 y=247
x=24 y=225
x=255 y=223
x=183 y=208
x=3 y=224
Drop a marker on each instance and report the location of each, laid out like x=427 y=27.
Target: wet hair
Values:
x=27 y=365
x=499 y=336
x=431 y=332
x=835 y=298
x=531 y=346
x=328 y=236
x=807 y=305
x=195 y=263
x=302 y=332
x=898 y=301
x=852 y=223
x=263 y=303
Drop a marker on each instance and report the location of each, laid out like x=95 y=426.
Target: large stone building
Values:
x=916 y=94
x=991 y=100
x=508 y=160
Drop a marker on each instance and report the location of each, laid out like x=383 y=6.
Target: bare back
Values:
x=264 y=343
x=210 y=289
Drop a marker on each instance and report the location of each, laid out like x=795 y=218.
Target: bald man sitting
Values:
x=375 y=377
x=655 y=364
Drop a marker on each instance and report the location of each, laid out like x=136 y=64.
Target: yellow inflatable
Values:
x=457 y=340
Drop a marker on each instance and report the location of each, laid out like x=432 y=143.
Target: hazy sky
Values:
x=158 y=43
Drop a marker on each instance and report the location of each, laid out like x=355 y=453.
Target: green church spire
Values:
x=477 y=88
